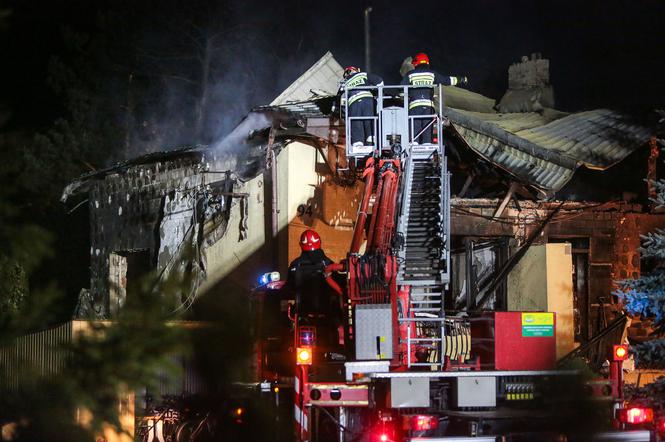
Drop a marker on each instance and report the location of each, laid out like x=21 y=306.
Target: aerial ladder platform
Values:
x=417 y=232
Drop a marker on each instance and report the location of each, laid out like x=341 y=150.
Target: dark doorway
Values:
x=138 y=265
x=126 y=269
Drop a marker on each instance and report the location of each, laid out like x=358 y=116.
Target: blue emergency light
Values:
x=269 y=277
x=307 y=336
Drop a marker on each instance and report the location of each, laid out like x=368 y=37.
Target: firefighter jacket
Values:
x=359 y=79
x=425 y=79
x=306 y=278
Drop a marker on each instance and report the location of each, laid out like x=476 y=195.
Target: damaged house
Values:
x=547 y=208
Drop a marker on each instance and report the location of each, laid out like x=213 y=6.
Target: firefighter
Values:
x=360 y=104
x=316 y=301
x=421 y=97
x=306 y=275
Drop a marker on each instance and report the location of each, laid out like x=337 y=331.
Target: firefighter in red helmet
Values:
x=423 y=80
x=306 y=275
x=360 y=104
x=310 y=241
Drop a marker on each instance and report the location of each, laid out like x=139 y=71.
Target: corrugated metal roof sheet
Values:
x=545 y=149
x=301 y=109
x=465 y=99
x=598 y=138
x=323 y=76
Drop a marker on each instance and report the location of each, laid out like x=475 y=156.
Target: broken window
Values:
x=474 y=265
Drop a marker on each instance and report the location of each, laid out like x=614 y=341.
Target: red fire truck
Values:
x=407 y=366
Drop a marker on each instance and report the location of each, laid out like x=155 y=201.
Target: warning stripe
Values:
x=300 y=414
x=301 y=417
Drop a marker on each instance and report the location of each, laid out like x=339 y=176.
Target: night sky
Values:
x=602 y=53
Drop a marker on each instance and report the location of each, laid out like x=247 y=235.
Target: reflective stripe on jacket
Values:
x=423 y=79
x=357 y=80
x=421 y=102
x=359 y=95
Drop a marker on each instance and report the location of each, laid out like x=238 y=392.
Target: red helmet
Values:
x=350 y=70
x=420 y=58
x=310 y=240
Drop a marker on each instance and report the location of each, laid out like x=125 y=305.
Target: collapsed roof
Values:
x=545 y=148
x=540 y=149
x=243 y=150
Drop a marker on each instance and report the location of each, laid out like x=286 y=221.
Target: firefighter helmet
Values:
x=420 y=58
x=310 y=240
x=349 y=71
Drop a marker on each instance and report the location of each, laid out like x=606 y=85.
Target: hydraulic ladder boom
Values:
x=409 y=229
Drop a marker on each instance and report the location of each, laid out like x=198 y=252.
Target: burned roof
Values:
x=544 y=149
x=80 y=184
x=300 y=111
x=243 y=150
x=541 y=149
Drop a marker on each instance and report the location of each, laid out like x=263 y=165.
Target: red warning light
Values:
x=424 y=422
x=636 y=415
x=620 y=352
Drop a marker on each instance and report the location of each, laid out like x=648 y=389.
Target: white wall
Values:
x=297 y=180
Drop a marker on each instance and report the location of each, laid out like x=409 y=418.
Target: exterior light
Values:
x=307 y=336
x=620 y=353
x=424 y=422
x=269 y=277
x=304 y=356
x=636 y=415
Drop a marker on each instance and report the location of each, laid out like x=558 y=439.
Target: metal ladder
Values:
x=424 y=228
x=423 y=261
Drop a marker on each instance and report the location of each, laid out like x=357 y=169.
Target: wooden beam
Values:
x=506 y=200
x=467 y=184
x=486 y=291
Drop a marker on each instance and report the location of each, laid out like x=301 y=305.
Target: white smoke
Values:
x=238 y=138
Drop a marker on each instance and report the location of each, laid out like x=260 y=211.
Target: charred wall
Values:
x=126 y=209
x=605 y=239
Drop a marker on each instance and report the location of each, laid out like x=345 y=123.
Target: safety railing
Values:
x=392 y=124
